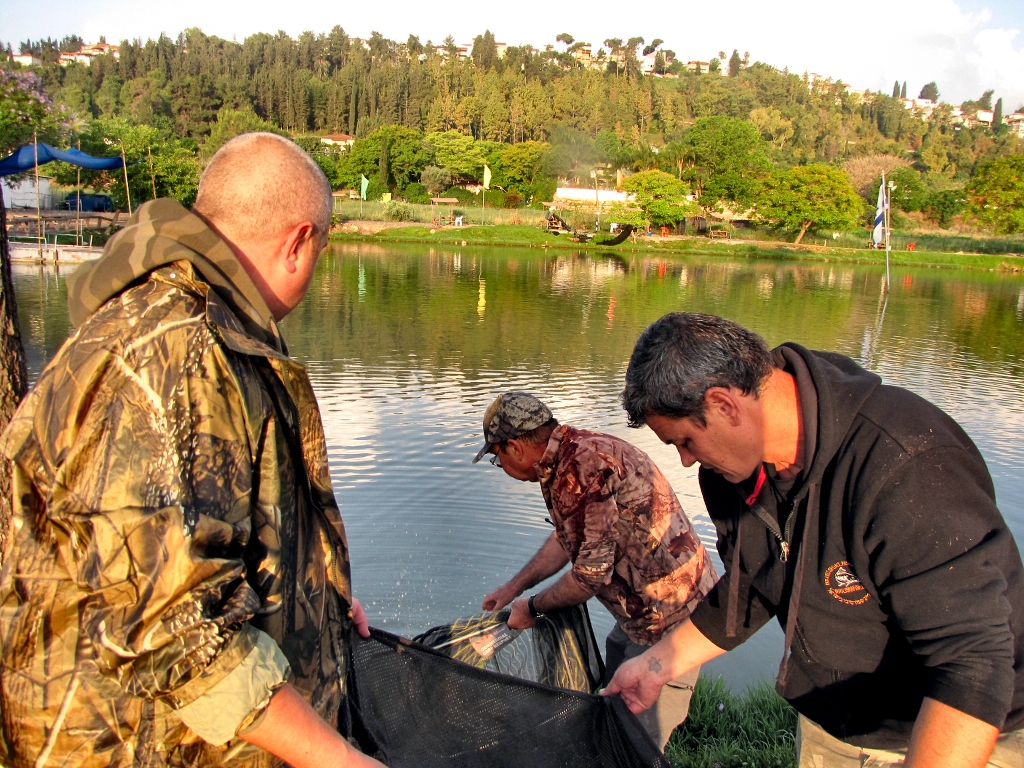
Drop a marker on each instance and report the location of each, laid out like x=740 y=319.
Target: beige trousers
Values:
x=817 y=748
x=672 y=705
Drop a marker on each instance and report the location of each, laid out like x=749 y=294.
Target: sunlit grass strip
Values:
x=517 y=235
x=754 y=730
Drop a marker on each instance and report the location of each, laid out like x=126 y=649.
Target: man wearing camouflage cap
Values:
x=619 y=523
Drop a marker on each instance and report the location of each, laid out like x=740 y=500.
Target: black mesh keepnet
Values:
x=416 y=707
x=560 y=650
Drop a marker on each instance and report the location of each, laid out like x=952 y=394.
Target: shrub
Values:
x=416 y=193
x=513 y=200
x=464 y=196
x=395 y=210
x=375 y=189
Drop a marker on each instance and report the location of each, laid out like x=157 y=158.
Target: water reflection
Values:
x=406 y=347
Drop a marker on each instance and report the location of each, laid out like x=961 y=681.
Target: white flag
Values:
x=878 y=233
x=487 y=177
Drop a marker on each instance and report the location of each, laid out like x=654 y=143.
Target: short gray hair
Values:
x=259 y=184
x=683 y=355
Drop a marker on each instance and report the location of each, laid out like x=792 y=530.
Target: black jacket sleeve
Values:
x=933 y=540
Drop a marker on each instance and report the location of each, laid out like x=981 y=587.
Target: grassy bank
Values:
x=529 y=236
x=755 y=730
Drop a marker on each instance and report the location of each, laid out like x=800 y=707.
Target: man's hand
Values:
x=639 y=681
x=359 y=618
x=501 y=597
x=521 y=618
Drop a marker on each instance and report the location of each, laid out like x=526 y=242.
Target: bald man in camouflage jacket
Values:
x=175 y=583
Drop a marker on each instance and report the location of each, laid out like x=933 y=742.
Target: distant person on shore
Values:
x=864 y=518
x=175 y=584
x=619 y=523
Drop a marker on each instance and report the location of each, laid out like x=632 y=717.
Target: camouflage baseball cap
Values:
x=511 y=415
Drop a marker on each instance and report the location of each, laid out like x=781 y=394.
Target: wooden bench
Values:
x=713 y=233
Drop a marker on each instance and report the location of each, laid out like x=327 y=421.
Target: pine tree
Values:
x=734 y=63
x=930 y=92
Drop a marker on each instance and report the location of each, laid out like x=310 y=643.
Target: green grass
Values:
x=532 y=236
x=755 y=730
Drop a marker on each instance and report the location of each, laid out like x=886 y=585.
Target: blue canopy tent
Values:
x=24 y=159
x=33 y=155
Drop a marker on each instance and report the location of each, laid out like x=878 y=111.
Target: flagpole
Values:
x=888 y=244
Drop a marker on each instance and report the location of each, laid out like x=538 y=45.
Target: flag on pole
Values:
x=878 y=233
x=364 y=184
x=487 y=177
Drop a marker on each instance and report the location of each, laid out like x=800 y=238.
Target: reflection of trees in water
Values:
x=539 y=307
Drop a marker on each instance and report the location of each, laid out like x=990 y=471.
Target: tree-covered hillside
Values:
x=196 y=91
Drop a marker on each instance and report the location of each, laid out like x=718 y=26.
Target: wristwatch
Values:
x=533 y=608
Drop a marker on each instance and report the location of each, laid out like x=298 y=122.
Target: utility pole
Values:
x=127 y=191
x=39 y=214
x=78 y=206
x=597 y=199
x=152 y=176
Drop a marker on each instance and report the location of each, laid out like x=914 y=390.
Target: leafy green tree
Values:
x=817 y=195
x=942 y=205
x=456 y=153
x=661 y=196
x=995 y=195
x=726 y=161
x=436 y=180
x=520 y=164
x=930 y=91
x=27 y=110
x=392 y=153
x=735 y=63
x=910 y=193
x=231 y=123
x=174 y=172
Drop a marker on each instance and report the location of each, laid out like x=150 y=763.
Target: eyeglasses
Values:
x=495 y=460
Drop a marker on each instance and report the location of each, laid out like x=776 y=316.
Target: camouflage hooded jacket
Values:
x=174 y=528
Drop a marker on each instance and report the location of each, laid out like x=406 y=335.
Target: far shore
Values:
x=511 y=235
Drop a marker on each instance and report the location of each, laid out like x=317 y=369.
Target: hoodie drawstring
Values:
x=734 y=582
x=794 y=594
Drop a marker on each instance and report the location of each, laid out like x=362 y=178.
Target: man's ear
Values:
x=515 y=448
x=295 y=241
x=724 y=402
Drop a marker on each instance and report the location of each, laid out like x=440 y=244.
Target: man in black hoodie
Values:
x=864 y=518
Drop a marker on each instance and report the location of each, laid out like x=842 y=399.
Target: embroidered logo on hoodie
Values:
x=844 y=586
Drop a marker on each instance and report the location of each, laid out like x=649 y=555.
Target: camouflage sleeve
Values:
x=595 y=561
x=153 y=490
x=218 y=714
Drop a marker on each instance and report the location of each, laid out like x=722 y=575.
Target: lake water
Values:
x=406 y=346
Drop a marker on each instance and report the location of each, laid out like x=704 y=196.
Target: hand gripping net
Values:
x=529 y=705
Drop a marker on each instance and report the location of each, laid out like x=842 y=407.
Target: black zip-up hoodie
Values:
x=909 y=583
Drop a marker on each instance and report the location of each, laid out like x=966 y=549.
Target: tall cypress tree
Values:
x=903 y=90
x=997 y=116
x=896 y=89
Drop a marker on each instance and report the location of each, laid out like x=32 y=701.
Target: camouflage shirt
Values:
x=175 y=544
x=624 y=530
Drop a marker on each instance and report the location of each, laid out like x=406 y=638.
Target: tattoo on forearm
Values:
x=653 y=664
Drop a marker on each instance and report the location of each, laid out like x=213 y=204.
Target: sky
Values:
x=966 y=46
